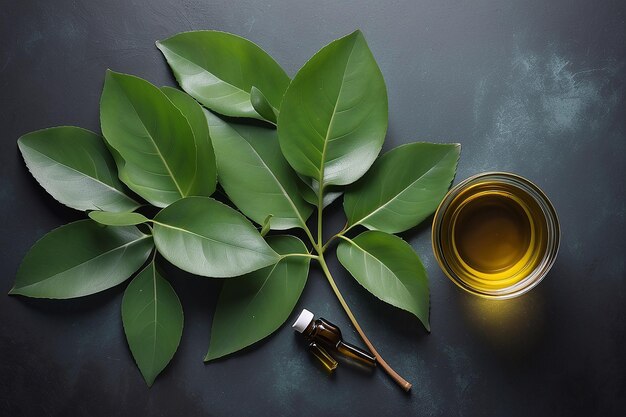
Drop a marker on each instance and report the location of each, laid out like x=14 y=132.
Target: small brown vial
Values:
x=323 y=334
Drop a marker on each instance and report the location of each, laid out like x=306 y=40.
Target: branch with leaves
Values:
x=315 y=138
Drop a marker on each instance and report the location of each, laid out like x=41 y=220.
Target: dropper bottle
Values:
x=323 y=334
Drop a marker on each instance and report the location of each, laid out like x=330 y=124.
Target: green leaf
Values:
x=205 y=237
x=266 y=225
x=262 y=106
x=118 y=219
x=206 y=176
x=255 y=175
x=403 y=187
x=333 y=117
x=153 y=321
x=218 y=69
x=81 y=258
x=388 y=267
x=252 y=307
x=75 y=167
x=156 y=146
x=309 y=189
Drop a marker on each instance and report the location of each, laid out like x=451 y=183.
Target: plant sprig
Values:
x=317 y=137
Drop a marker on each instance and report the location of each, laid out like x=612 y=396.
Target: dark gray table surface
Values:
x=532 y=87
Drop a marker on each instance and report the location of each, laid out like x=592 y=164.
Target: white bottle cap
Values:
x=302 y=322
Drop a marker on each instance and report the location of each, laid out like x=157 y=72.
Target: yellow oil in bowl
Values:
x=496 y=235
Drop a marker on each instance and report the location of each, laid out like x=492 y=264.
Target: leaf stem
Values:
x=320 y=210
x=335 y=236
x=319 y=248
x=304 y=255
x=347 y=229
x=406 y=385
x=308 y=233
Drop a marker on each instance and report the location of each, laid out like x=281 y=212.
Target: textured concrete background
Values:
x=533 y=87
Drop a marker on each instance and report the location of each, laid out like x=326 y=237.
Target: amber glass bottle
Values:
x=323 y=334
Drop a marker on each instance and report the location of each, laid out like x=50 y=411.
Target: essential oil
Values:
x=493 y=233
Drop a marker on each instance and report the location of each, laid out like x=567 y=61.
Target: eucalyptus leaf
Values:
x=255 y=175
x=333 y=118
x=206 y=237
x=218 y=69
x=153 y=321
x=388 y=267
x=75 y=167
x=309 y=190
x=81 y=258
x=403 y=187
x=206 y=175
x=156 y=150
x=266 y=225
x=262 y=106
x=118 y=219
x=252 y=307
